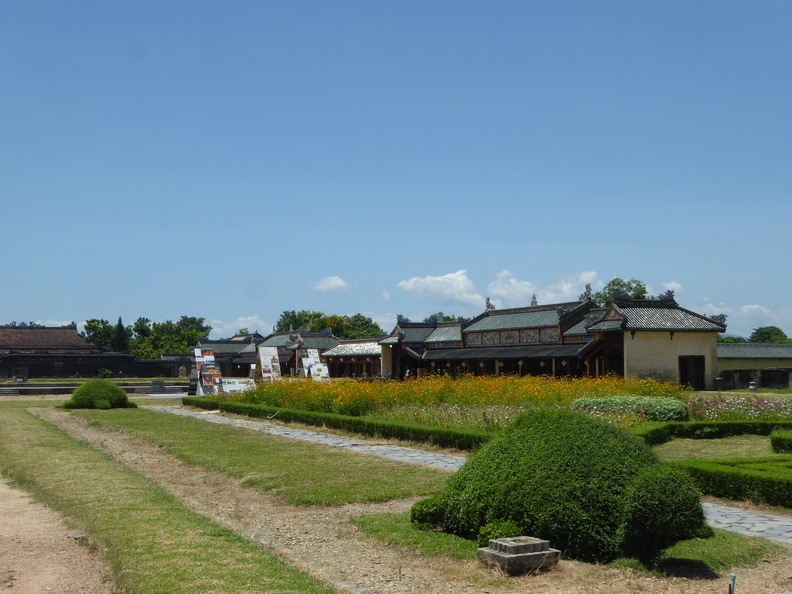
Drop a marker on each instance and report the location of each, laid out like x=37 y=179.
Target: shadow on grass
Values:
x=685 y=568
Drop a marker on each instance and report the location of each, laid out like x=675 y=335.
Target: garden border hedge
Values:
x=729 y=480
x=781 y=441
x=440 y=436
x=657 y=433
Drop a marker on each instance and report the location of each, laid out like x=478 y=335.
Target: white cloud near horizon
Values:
x=507 y=291
x=221 y=329
x=455 y=287
x=331 y=284
x=673 y=286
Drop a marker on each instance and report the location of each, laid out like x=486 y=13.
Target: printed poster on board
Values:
x=237 y=384
x=270 y=364
x=313 y=366
x=210 y=380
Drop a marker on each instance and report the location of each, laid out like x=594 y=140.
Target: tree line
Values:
x=149 y=340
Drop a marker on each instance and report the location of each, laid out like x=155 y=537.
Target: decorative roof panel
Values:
x=354 y=349
x=505 y=352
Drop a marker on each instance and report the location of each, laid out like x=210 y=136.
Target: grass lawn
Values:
x=738 y=446
x=301 y=473
x=156 y=545
x=153 y=543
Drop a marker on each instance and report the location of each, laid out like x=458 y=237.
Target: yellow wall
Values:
x=727 y=364
x=656 y=354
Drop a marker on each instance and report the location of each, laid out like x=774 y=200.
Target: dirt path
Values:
x=323 y=543
x=39 y=552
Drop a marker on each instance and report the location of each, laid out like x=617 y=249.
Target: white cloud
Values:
x=507 y=291
x=455 y=287
x=753 y=310
x=331 y=284
x=743 y=320
x=673 y=286
x=221 y=329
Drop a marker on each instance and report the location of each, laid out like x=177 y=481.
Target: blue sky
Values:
x=233 y=160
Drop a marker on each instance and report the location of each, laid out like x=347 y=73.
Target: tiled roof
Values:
x=225 y=347
x=313 y=340
x=279 y=339
x=42 y=339
x=540 y=316
x=416 y=332
x=581 y=328
x=366 y=348
x=651 y=315
x=751 y=350
x=449 y=333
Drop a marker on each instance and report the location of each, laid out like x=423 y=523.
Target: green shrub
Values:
x=99 y=393
x=498 y=529
x=427 y=512
x=653 y=408
x=761 y=480
x=781 y=441
x=657 y=433
x=662 y=506
x=559 y=475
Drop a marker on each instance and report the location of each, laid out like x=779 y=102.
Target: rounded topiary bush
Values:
x=99 y=393
x=559 y=475
x=662 y=506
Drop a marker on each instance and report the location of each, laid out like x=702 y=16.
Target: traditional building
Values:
x=631 y=338
x=770 y=365
x=39 y=351
x=656 y=338
x=358 y=358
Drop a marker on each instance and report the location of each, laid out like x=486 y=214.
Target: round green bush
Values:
x=559 y=475
x=99 y=393
x=655 y=408
x=662 y=506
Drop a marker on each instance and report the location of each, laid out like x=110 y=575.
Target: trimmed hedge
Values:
x=762 y=480
x=658 y=433
x=654 y=408
x=100 y=394
x=570 y=479
x=662 y=503
x=447 y=438
x=781 y=441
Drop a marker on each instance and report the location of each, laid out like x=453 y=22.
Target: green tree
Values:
x=152 y=340
x=121 y=337
x=293 y=320
x=141 y=328
x=769 y=334
x=731 y=339
x=360 y=326
x=618 y=288
x=439 y=317
x=99 y=332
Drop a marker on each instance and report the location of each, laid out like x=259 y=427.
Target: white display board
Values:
x=269 y=363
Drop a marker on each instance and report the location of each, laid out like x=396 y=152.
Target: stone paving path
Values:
x=778 y=528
